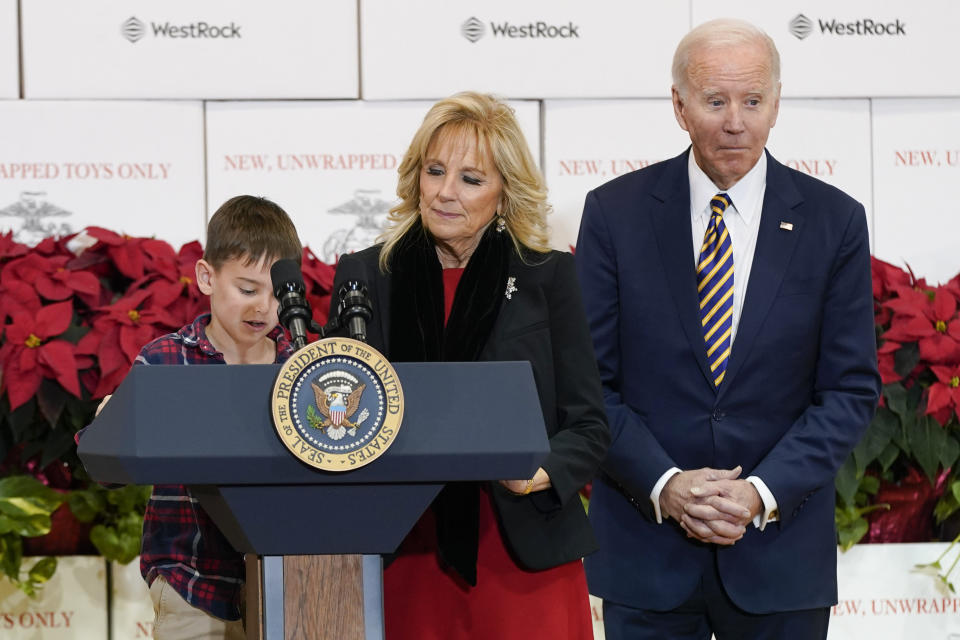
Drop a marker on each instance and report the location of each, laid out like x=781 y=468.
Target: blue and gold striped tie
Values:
x=715 y=288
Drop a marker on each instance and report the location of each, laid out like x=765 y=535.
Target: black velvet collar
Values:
x=418 y=334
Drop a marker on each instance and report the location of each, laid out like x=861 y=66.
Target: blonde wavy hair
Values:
x=494 y=126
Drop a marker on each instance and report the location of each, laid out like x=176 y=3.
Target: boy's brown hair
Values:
x=253 y=228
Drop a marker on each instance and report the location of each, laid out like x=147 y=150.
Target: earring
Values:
x=501 y=223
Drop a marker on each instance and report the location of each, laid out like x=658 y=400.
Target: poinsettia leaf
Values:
x=56 y=446
x=51 y=400
x=878 y=435
x=84 y=282
x=26 y=362
x=938 y=398
x=105 y=236
x=89 y=343
x=847 y=481
x=109 y=382
x=944 y=305
x=53 y=319
x=926 y=440
x=58 y=356
x=21 y=384
x=20 y=419
x=110 y=355
x=128 y=258
x=130 y=341
x=906 y=359
x=896 y=395
x=51 y=288
x=165 y=292
x=939 y=348
x=949 y=450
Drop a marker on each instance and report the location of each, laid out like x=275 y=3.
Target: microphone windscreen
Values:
x=348 y=270
x=285 y=272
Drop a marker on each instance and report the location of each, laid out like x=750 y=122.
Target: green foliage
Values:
x=25 y=509
x=119 y=517
x=936 y=567
x=900 y=431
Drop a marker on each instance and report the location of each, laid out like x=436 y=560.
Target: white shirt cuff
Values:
x=657 y=488
x=769 y=513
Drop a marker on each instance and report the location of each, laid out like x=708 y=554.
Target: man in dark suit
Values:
x=730 y=303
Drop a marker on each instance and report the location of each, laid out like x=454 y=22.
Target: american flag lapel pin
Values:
x=786 y=226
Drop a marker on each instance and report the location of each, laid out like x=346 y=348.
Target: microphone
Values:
x=294 y=311
x=355 y=310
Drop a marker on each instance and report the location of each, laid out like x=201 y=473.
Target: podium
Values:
x=320 y=533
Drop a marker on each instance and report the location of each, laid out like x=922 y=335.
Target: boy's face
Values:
x=242 y=307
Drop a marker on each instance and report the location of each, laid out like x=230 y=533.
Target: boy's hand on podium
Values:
x=102 y=404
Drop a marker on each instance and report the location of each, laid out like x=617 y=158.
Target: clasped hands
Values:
x=711 y=505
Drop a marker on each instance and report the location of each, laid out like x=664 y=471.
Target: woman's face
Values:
x=460 y=191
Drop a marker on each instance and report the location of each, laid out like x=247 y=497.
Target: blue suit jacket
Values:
x=801 y=384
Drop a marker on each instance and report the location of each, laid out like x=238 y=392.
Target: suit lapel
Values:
x=774 y=249
x=672 y=227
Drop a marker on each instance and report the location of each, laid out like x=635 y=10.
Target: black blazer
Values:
x=544 y=323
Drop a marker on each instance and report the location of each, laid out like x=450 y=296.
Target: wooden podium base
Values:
x=314 y=597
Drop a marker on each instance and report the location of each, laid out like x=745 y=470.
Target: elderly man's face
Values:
x=728 y=107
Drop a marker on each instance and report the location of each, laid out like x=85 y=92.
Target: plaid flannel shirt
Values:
x=180 y=541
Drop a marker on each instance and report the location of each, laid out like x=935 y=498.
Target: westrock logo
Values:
x=801 y=26
x=133 y=30
x=473 y=29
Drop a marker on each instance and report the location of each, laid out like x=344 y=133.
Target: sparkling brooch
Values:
x=511 y=287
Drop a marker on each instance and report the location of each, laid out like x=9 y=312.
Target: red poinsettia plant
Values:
x=902 y=484
x=74 y=313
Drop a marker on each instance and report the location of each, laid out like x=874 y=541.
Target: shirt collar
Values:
x=195 y=335
x=746 y=194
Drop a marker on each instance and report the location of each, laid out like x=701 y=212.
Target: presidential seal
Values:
x=337 y=404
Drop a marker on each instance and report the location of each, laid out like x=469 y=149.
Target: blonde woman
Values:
x=464 y=273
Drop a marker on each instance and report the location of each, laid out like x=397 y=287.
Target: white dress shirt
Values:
x=742 y=219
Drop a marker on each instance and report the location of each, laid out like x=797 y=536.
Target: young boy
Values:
x=196 y=578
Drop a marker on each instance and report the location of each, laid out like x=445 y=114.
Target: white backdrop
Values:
x=9 y=50
x=855 y=48
x=134 y=167
x=529 y=49
x=188 y=49
x=916 y=169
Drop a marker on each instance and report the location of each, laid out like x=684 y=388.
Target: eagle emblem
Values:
x=338 y=401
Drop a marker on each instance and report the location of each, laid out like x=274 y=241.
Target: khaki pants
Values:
x=175 y=619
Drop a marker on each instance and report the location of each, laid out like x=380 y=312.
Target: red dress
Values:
x=424 y=601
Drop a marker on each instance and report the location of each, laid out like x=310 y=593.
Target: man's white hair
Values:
x=718 y=33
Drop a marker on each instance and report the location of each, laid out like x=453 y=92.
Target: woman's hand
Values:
x=538 y=482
